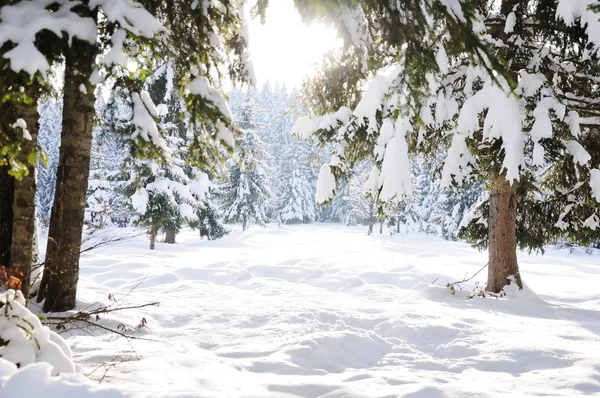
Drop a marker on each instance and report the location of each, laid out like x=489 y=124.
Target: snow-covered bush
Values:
x=24 y=340
x=36 y=380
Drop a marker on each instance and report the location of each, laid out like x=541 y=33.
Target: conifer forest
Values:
x=299 y=198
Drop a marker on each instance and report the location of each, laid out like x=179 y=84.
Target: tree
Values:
x=189 y=45
x=208 y=218
x=99 y=196
x=244 y=197
x=49 y=139
x=61 y=268
x=295 y=201
x=166 y=195
x=501 y=132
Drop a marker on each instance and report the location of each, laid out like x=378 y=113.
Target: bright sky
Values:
x=284 y=49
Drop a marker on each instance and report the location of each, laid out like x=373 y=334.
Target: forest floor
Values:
x=327 y=311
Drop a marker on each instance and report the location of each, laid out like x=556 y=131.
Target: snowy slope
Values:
x=326 y=311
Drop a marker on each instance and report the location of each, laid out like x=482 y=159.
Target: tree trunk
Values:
x=6 y=215
x=59 y=284
x=152 y=239
x=370 y=232
x=381 y=228
x=22 y=245
x=502 y=230
x=169 y=236
x=398 y=225
x=244 y=221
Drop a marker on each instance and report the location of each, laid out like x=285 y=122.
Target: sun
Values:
x=285 y=49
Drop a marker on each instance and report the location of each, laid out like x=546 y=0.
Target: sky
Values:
x=284 y=49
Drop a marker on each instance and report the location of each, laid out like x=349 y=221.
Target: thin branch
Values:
x=474 y=275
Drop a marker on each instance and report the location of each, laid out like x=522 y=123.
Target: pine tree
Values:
x=49 y=140
x=498 y=138
x=295 y=201
x=164 y=196
x=246 y=195
x=99 y=196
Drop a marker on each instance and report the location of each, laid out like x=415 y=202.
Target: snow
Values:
x=374 y=95
x=595 y=183
x=325 y=185
x=511 y=21
x=116 y=55
x=25 y=341
x=202 y=87
x=573 y=120
x=146 y=127
x=35 y=380
x=325 y=310
x=503 y=120
x=22 y=124
x=580 y=155
x=395 y=178
x=305 y=126
x=459 y=162
x=570 y=11
x=130 y=16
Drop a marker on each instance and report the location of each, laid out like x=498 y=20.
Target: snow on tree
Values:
x=98 y=205
x=49 y=139
x=295 y=201
x=363 y=204
x=164 y=195
x=246 y=195
x=26 y=341
x=208 y=220
x=501 y=128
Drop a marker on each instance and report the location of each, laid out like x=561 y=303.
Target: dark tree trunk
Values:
x=169 y=236
x=6 y=215
x=244 y=223
x=61 y=274
x=398 y=225
x=370 y=231
x=22 y=245
x=153 y=233
x=381 y=228
x=502 y=229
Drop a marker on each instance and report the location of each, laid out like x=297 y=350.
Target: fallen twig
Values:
x=84 y=317
x=465 y=278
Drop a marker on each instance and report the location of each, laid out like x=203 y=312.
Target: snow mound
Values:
x=36 y=380
x=24 y=340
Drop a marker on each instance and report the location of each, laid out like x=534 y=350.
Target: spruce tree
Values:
x=246 y=195
x=501 y=129
x=295 y=199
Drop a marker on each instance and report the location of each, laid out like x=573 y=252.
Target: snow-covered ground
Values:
x=326 y=311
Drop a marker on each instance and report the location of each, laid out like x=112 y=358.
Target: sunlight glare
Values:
x=284 y=49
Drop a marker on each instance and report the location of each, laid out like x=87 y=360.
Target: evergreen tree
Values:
x=498 y=138
x=99 y=197
x=49 y=140
x=164 y=195
x=295 y=200
x=246 y=195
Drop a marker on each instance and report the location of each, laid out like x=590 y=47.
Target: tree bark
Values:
x=381 y=228
x=169 y=236
x=152 y=239
x=370 y=231
x=244 y=221
x=502 y=230
x=61 y=274
x=6 y=215
x=22 y=245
